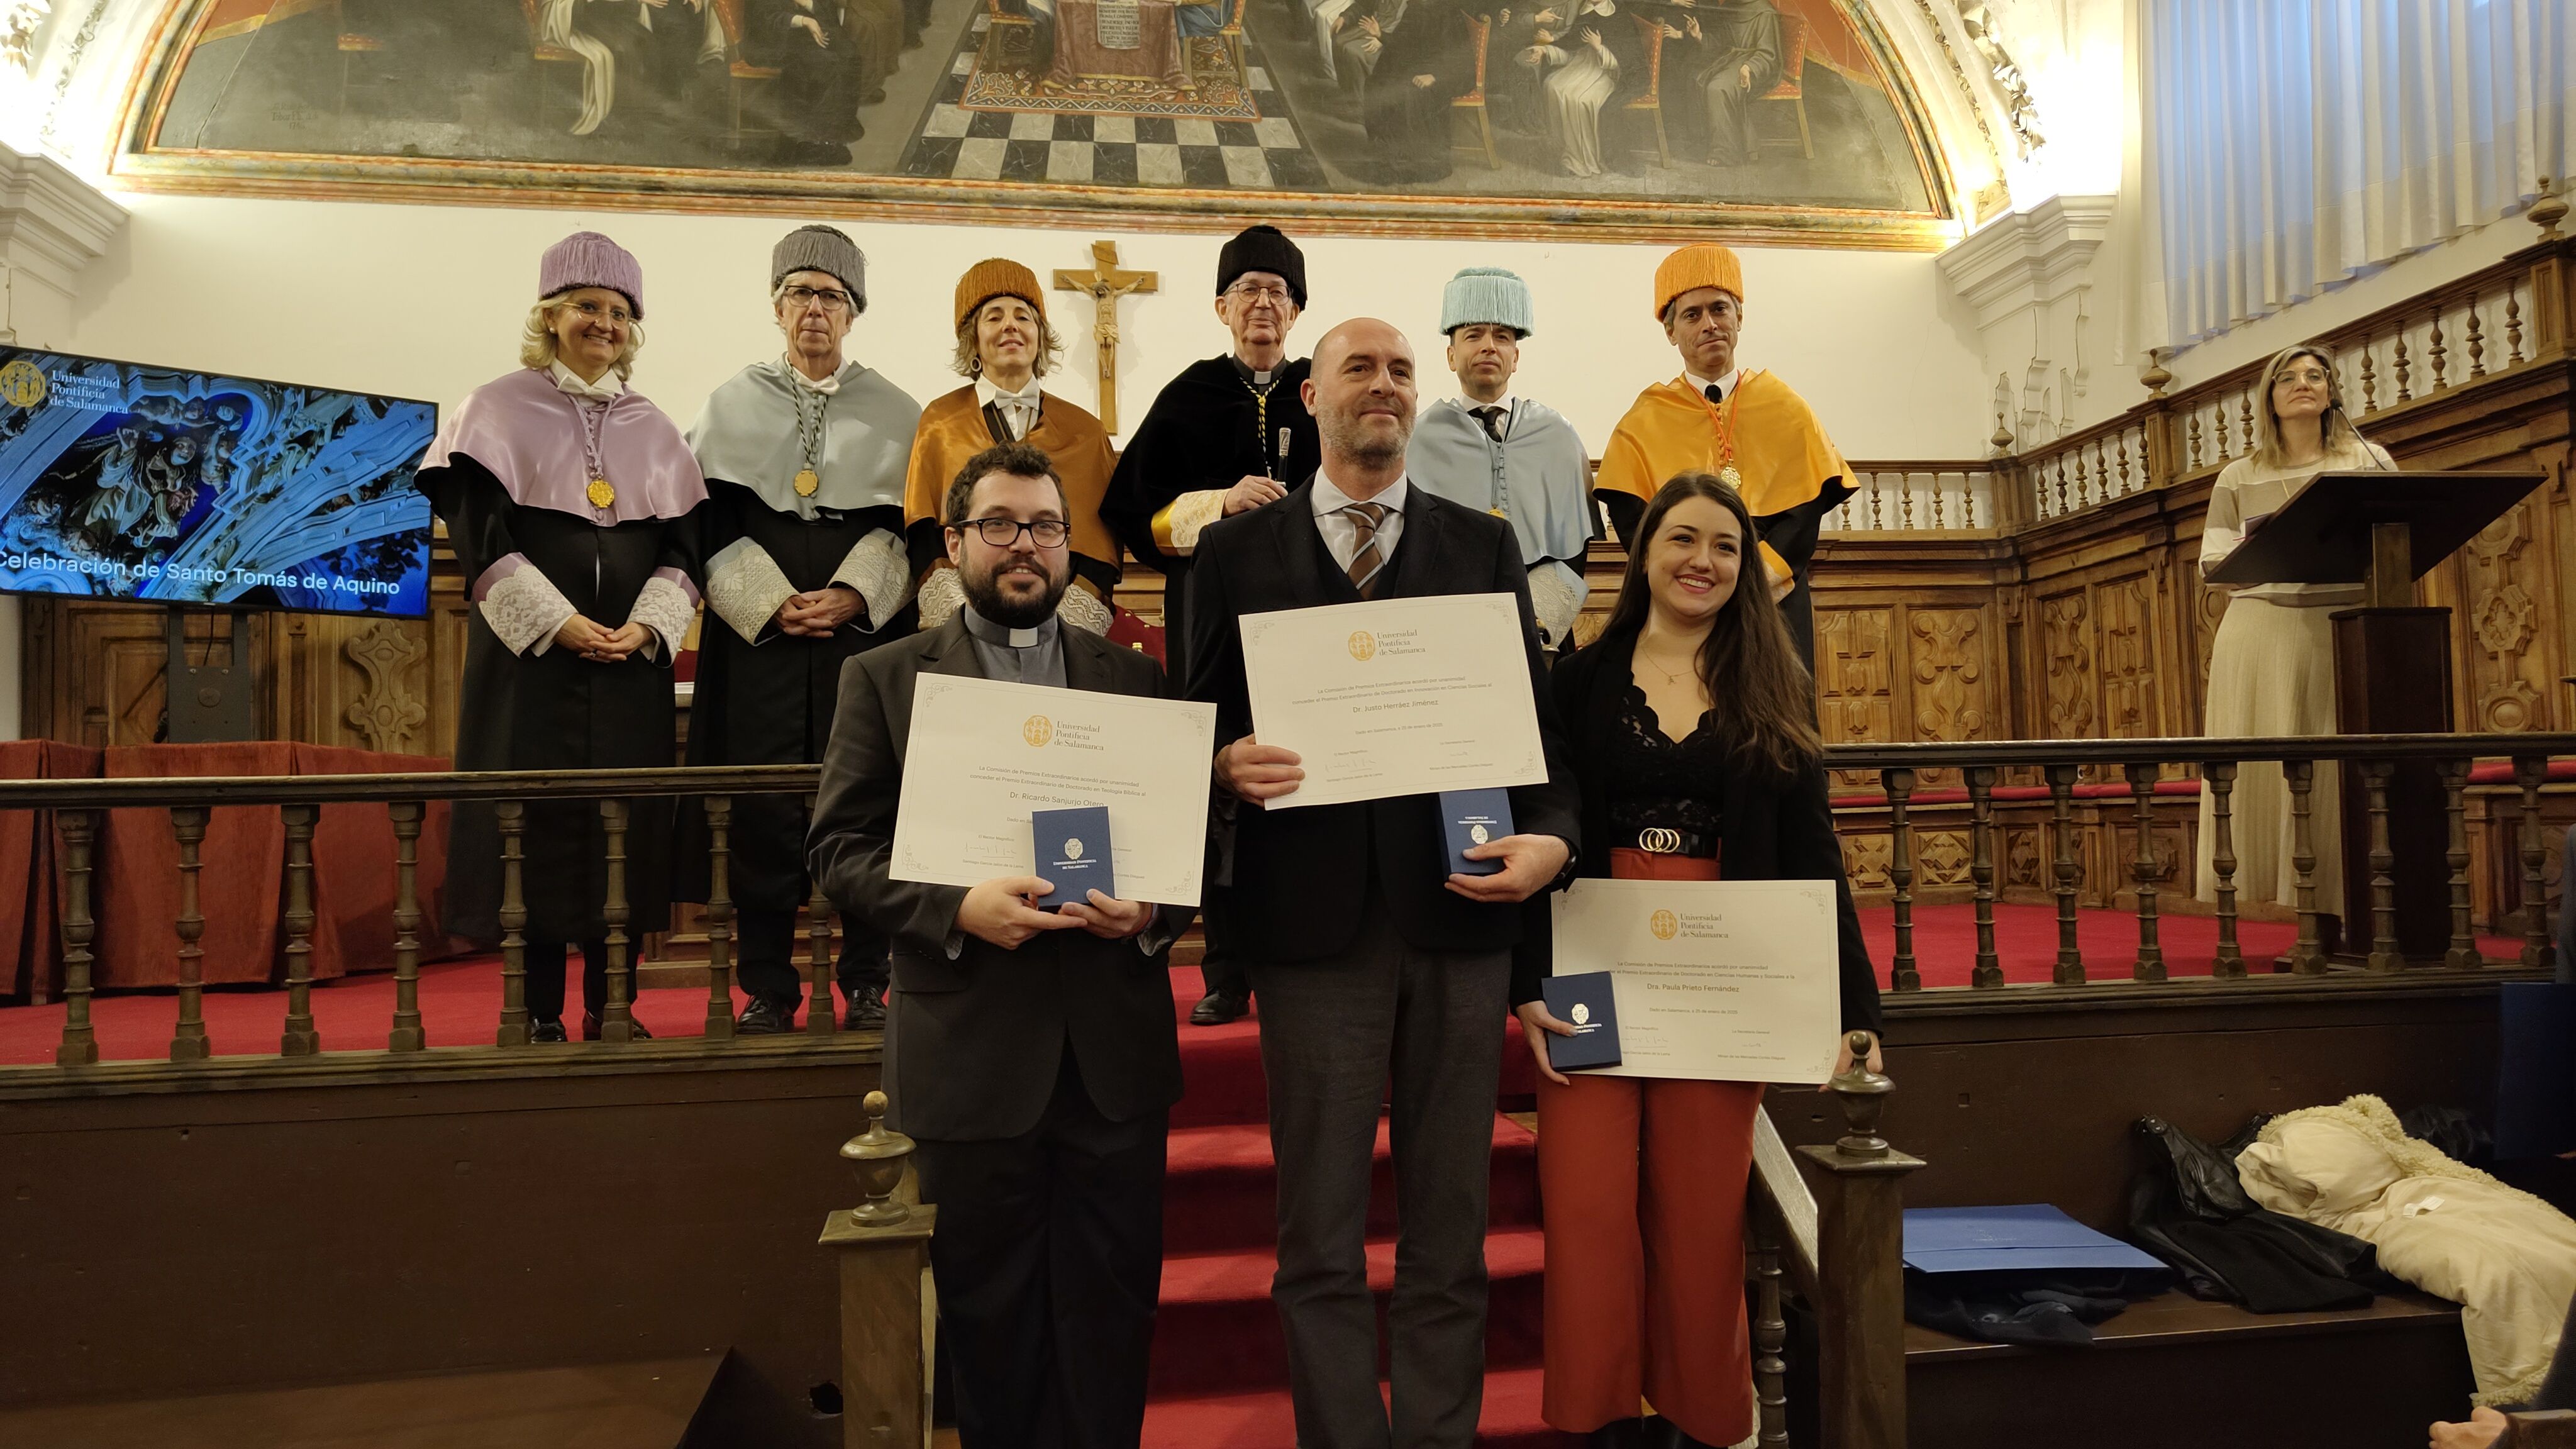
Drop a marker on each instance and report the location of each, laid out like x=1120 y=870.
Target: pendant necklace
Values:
x=594 y=417
x=1261 y=419
x=809 y=434
x=1671 y=676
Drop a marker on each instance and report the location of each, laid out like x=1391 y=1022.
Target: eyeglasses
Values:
x=595 y=312
x=834 y=302
x=1250 y=292
x=1004 y=532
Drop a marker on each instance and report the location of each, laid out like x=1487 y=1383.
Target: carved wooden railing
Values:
x=76 y=806
x=1827 y=1224
x=2144 y=766
x=2149 y=772
x=1936 y=496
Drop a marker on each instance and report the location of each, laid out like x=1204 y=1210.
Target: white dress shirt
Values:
x=609 y=386
x=1019 y=409
x=828 y=386
x=1725 y=385
x=1506 y=402
x=1342 y=530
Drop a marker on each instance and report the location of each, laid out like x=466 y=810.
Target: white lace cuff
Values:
x=1556 y=597
x=1084 y=609
x=745 y=586
x=877 y=567
x=665 y=605
x=521 y=605
x=1176 y=528
x=942 y=595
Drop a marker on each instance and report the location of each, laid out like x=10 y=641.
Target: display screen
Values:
x=120 y=480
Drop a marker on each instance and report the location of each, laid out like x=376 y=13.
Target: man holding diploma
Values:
x=1030 y=1053
x=1371 y=961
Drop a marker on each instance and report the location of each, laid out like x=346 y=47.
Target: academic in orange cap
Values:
x=1741 y=423
x=1004 y=346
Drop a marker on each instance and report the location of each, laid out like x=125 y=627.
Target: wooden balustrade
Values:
x=1983 y=768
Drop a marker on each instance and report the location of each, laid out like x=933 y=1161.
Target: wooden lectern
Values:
x=2384 y=530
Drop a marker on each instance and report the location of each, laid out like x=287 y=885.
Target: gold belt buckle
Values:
x=1660 y=840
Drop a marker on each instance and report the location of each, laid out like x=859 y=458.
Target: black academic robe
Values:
x=770 y=703
x=1205 y=431
x=1408 y=124
x=819 y=86
x=559 y=711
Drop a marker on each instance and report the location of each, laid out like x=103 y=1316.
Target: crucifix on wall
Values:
x=1106 y=284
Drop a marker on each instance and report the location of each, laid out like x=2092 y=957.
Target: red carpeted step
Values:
x=1218 y=1331
x=1263 y=1420
x=1220 y=1191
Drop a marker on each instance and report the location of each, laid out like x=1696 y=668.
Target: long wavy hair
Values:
x=1762 y=694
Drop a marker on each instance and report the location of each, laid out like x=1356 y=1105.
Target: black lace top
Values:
x=1652 y=780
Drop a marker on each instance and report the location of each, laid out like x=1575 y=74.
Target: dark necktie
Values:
x=1492 y=418
x=1713 y=394
x=1366 y=560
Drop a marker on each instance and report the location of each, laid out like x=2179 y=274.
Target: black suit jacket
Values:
x=974 y=1044
x=1298 y=876
x=1776 y=826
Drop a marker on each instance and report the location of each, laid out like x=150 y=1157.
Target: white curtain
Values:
x=2291 y=144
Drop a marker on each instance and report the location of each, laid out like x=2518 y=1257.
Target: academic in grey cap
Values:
x=1486 y=294
x=821 y=249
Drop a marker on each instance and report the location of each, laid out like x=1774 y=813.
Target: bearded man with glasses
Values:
x=1031 y=1053
x=805 y=458
x=1226 y=436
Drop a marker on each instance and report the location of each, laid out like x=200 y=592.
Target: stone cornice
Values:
x=52 y=223
x=2027 y=258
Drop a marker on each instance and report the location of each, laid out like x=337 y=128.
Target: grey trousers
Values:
x=1334 y=1034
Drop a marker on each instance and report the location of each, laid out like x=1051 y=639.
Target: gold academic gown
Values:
x=954 y=428
x=1788 y=471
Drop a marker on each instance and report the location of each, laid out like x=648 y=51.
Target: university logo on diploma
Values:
x=986 y=759
x=1396 y=696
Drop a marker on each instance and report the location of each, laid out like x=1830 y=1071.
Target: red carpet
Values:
x=1220 y=1377
x=460 y=1001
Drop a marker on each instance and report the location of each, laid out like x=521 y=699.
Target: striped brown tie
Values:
x=1366 y=560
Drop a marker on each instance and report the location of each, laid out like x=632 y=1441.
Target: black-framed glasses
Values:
x=801 y=297
x=1004 y=532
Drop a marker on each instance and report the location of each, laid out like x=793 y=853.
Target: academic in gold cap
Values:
x=1004 y=345
x=1741 y=423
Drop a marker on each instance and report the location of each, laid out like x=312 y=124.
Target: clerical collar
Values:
x=609 y=386
x=826 y=387
x=1256 y=378
x=1725 y=385
x=992 y=633
x=986 y=394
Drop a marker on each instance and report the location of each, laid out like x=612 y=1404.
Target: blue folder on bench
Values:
x=2027 y=1237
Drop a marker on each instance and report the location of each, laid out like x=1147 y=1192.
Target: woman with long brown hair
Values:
x=1696 y=748
x=2271 y=668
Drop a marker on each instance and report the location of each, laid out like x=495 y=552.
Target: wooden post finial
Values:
x=1862 y=1094
x=2157 y=377
x=878 y=1157
x=2549 y=210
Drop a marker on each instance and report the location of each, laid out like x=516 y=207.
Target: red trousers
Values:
x=1642 y=1182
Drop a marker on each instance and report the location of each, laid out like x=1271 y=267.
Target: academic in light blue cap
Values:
x=1508 y=455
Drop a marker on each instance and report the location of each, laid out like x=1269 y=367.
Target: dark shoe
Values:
x=546 y=1030
x=1659 y=1432
x=1617 y=1434
x=590 y=1026
x=1219 y=1007
x=866 y=1011
x=764 y=1017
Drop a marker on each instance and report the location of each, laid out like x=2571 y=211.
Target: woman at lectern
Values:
x=1695 y=744
x=2271 y=669
x=573 y=505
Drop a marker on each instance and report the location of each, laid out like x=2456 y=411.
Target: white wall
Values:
x=426 y=301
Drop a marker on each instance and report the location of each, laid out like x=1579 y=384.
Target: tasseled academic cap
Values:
x=1705 y=265
x=1486 y=294
x=587 y=259
x=821 y=249
x=1263 y=249
x=996 y=277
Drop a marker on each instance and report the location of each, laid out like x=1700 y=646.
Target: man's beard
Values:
x=984 y=592
x=1350 y=438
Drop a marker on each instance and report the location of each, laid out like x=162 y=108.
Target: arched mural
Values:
x=1594 y=118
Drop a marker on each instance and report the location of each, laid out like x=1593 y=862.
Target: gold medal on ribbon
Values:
x=601 y=495
x=1728 y=476
x=807 y=483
